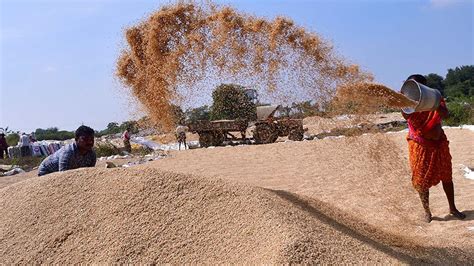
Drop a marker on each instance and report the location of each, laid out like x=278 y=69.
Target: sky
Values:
x=57 y=57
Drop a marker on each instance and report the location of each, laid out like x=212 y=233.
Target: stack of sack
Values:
x=38 y=149
x=45 y=148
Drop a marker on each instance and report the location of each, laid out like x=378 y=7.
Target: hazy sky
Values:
x=57 y=58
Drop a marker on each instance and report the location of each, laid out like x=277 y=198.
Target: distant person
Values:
x=126 y=140
x=3 y=146
x=25 y=145
x=72 y=156
x=430 y=159
x=181 y=136
x=32 y=137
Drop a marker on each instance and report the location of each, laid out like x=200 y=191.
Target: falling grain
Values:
x=182 y=46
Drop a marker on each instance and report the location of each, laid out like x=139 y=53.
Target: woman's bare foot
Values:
x=428 y=217
x=457 y=214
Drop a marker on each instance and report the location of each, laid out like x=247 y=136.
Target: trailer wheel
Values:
x=218 y=138
x=207 y=139
x=265 y=133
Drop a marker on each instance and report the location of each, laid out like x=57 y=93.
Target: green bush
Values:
x=302 y=110
x=461 y=112
x=200 y=113
x=12 y=139
x=459 y=82
x=25 y=163
x=53 y=133
x=231 y=102
x=105 y=149
x=114 y=128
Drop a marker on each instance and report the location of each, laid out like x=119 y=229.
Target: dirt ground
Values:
x=366 y=177
x=336 y=200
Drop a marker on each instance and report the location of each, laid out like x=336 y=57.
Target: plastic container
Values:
x=428 y=99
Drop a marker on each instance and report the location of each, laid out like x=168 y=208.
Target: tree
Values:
x=112 y=128
x=132 y=125
x=459 y=82
x=200 y=113
x=178 y=114
x=460 y=90
x=12 y=139
x=231 y=102
x=435 y=81
x=49 y=130
x=53 y=133
x=459 y=74
x=305 y=109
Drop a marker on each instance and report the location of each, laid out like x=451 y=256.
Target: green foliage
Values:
x=26 y=163
x=435 y=81
x=200 y=113
x=461 y=89
x=178 y=114
x=53 y=133
x=461 y=111
x=459 y=82
x=131 y=125
x=458 y=88
x=12 y=139
x=304 y=109
x=459 y=74
x=106 y=149
x=114 y=128
x=231 y=102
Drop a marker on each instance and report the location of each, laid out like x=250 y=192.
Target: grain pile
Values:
x=147 y=216
x=184 y=48
x=364 y=183
x=345 y=200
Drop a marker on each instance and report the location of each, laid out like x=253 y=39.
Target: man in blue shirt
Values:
x=75 y=155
